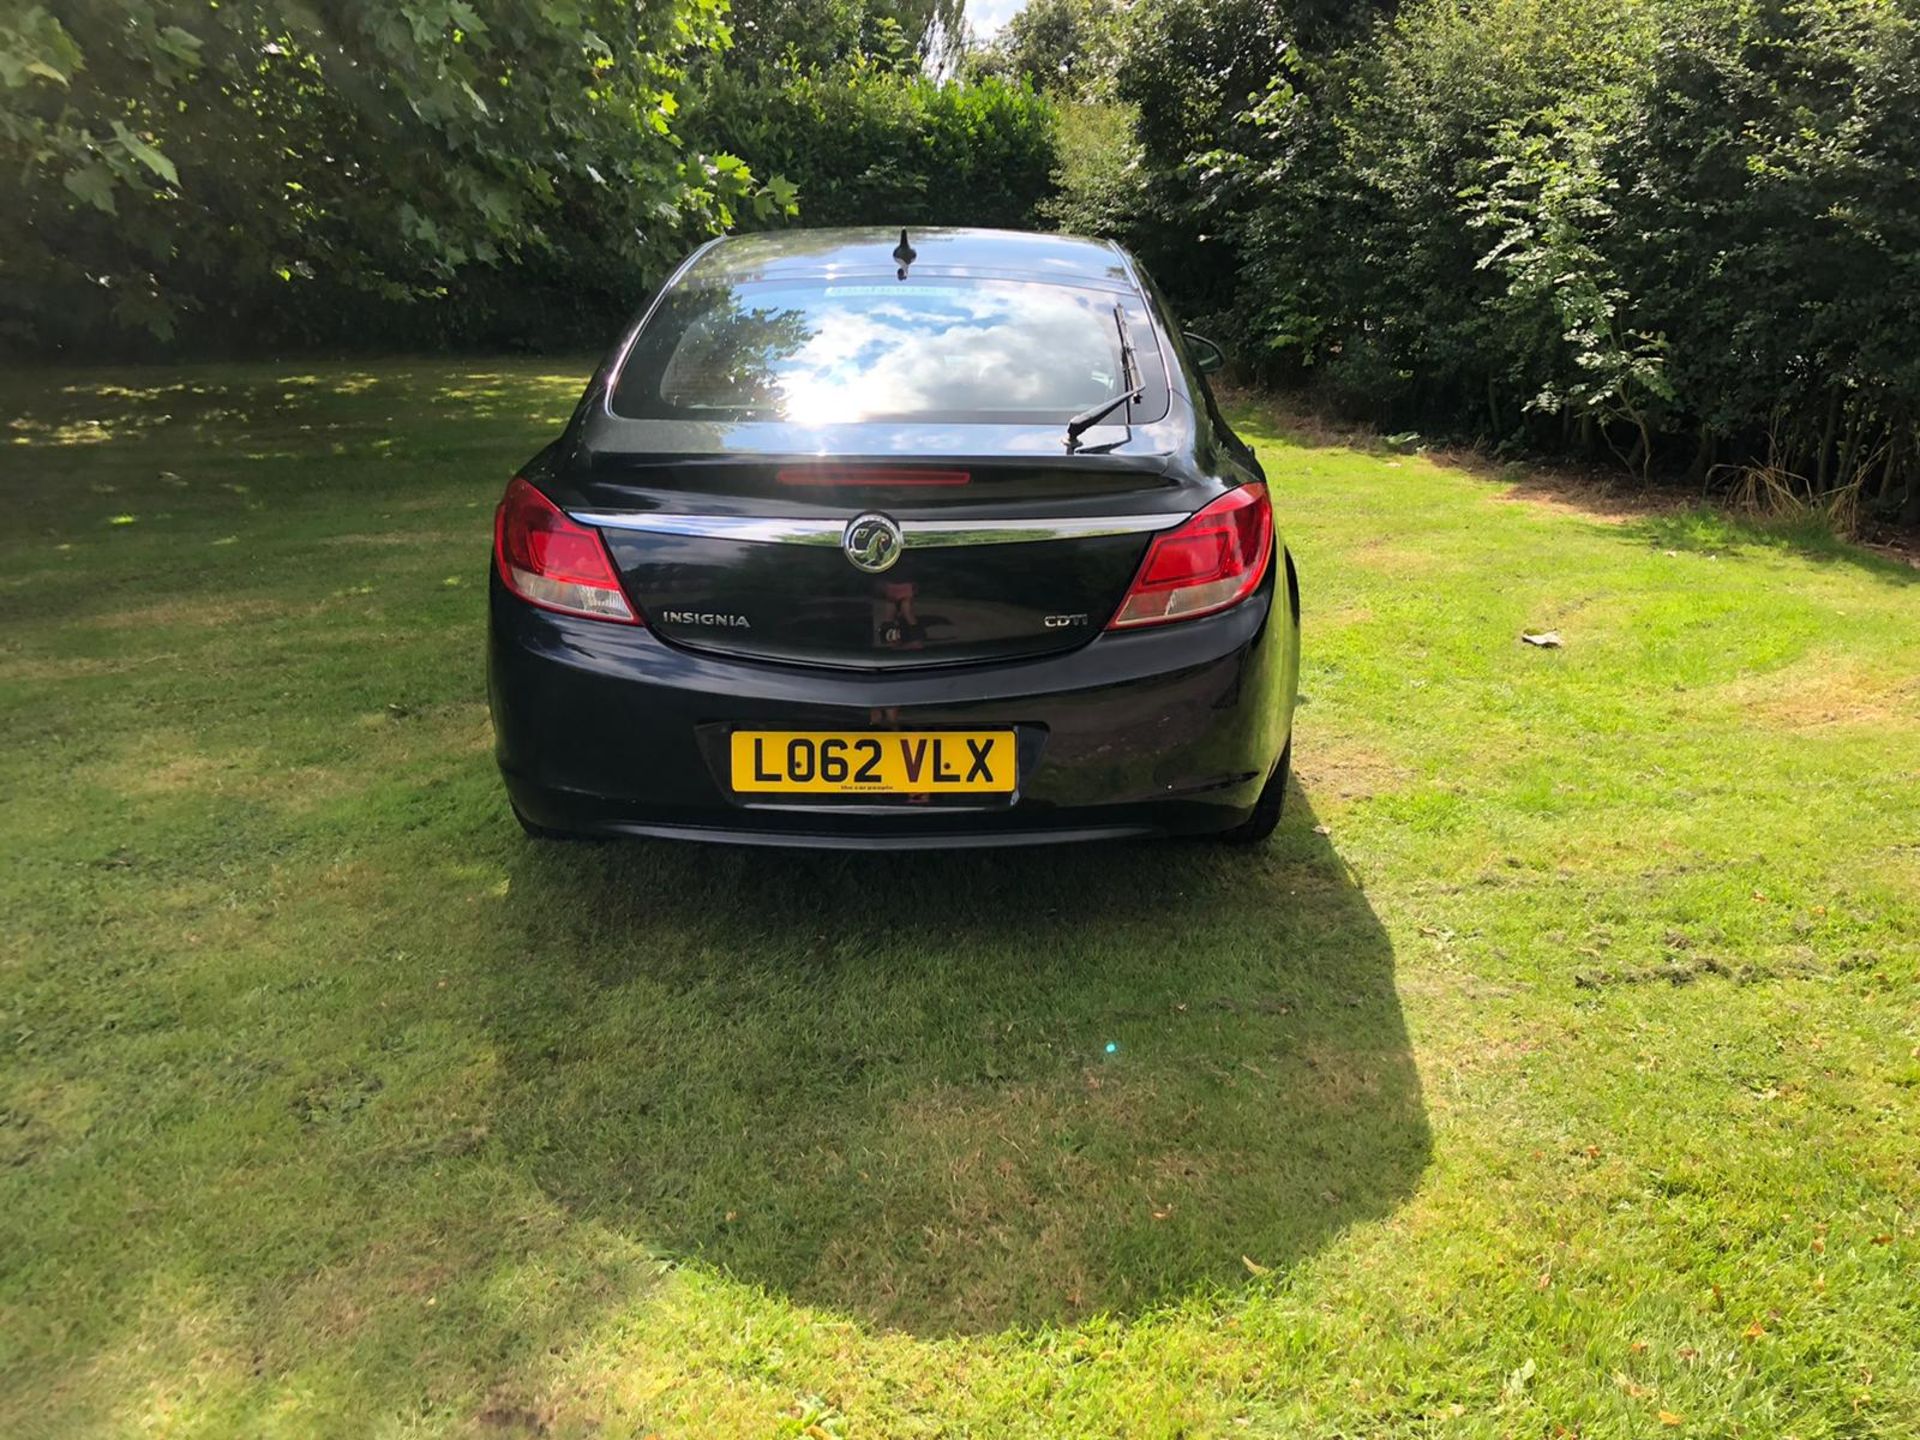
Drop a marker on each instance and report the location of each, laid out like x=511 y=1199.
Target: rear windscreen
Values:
x=826 y=351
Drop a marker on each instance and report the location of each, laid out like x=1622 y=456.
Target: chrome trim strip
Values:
x=1011 y=532
x=918 y=534
x=717 y=527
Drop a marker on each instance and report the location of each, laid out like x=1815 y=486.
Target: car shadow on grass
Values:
x=952 y=1093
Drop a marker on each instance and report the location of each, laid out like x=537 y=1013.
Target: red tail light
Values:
x=551 y=561
x=1212 y=561
x=829 y=475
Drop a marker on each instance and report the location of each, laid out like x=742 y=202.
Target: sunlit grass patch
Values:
x=1350 y=771
x=1831 y=690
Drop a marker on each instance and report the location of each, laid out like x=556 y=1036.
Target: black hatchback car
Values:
x=870 y=539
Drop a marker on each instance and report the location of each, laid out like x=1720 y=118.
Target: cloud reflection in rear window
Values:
x=823 y=352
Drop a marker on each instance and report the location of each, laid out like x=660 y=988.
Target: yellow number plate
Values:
x=886 y=762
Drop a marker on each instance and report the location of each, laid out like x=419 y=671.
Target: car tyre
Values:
x=1266 y=810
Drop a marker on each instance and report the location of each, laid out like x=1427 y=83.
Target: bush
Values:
x=1683 y=231
x=865 y=146
x=1098 y=180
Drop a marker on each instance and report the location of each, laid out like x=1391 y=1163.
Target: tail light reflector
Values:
x=554 y=562
x=1209 y=562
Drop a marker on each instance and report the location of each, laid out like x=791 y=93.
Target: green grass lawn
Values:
x=1554 y=1071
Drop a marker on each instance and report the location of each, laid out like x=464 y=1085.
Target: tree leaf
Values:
x=93 y=183
x=146 y=154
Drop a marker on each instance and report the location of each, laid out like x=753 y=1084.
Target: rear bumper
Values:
x=607 y=729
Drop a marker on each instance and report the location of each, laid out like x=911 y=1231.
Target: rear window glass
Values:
x=827 y=351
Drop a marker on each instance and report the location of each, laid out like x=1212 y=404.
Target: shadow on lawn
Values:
x=1668 y=512
x=882 y=1084
x=1712 y=532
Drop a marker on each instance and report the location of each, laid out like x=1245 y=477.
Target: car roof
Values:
x=986 y=254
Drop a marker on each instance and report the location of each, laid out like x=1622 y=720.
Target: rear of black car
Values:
x=817 y=562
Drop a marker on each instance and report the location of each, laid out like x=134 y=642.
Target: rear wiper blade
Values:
x=1087 y=419
x=1131 y=396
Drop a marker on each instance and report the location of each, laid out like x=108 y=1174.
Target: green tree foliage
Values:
x=798 y=36
x=1067 y=48
x=842 y=99
x=1686 y=232
x=1194 y=67
x=1097 y=180
x=256 y=160
x=866 y=145
x=1071 y=51
x=1193 y=70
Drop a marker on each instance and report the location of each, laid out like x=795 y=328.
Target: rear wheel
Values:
x=1266 y=810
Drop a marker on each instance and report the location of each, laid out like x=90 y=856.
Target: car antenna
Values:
x=905 y=253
